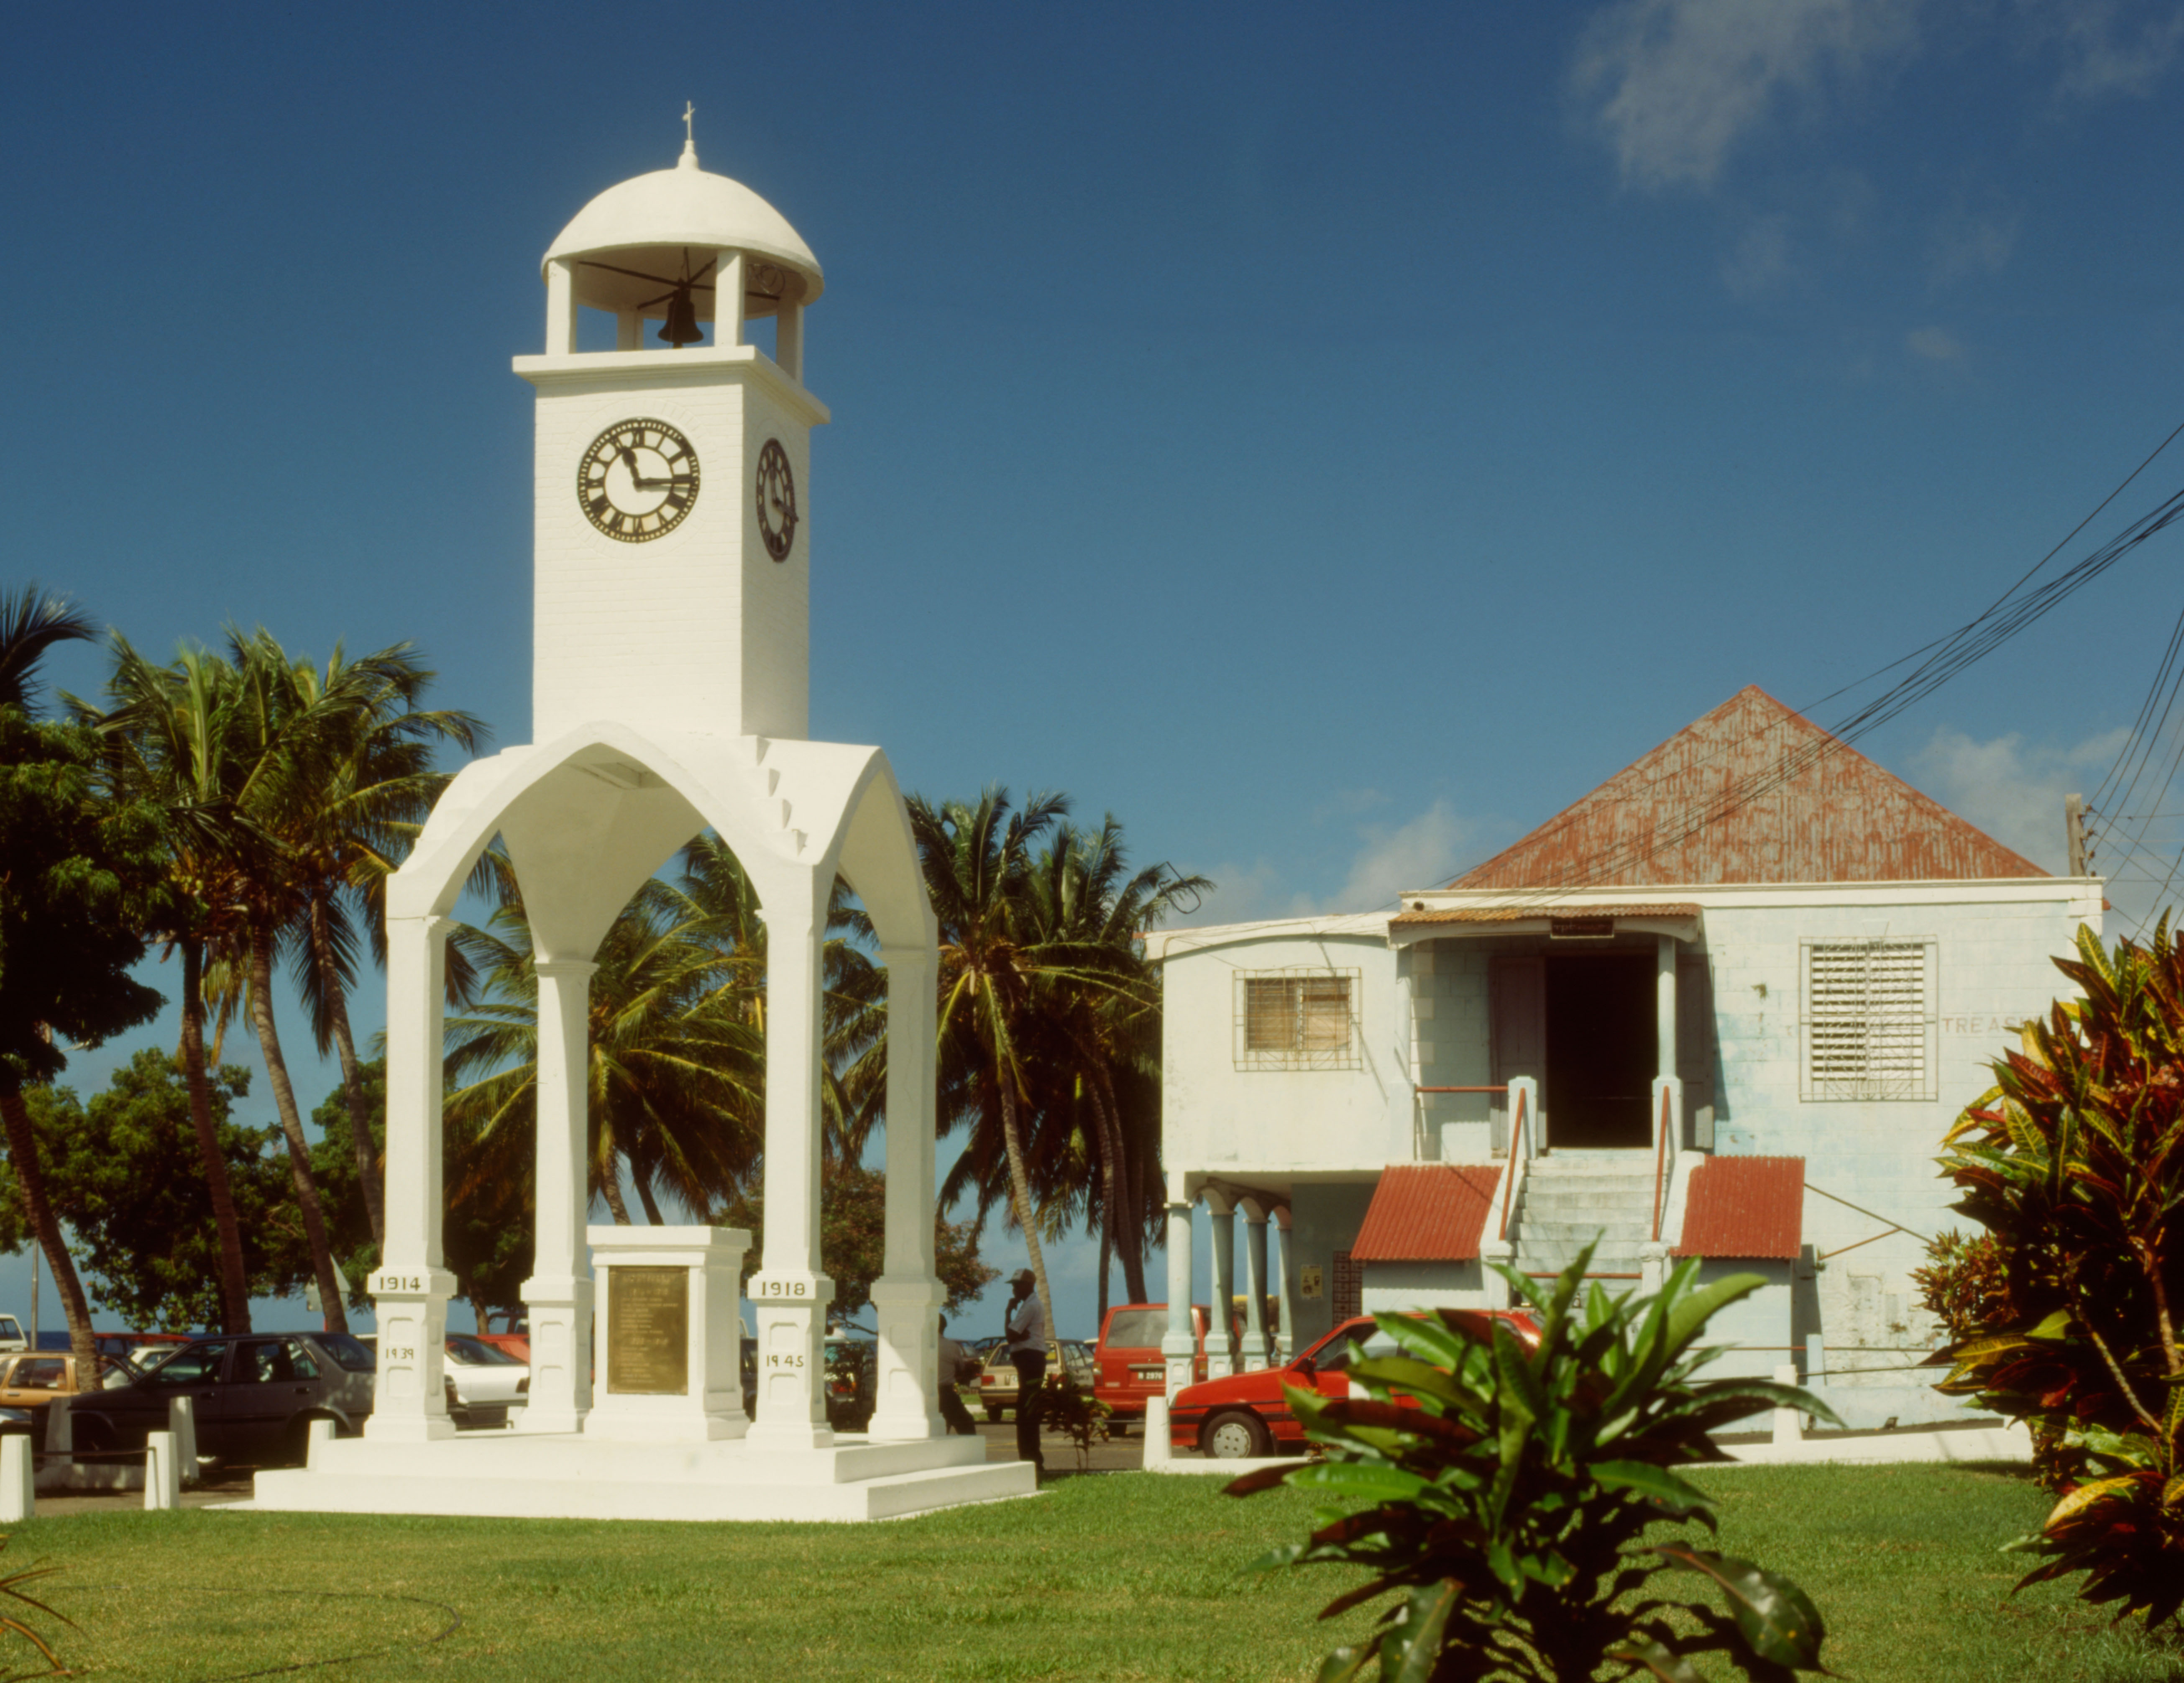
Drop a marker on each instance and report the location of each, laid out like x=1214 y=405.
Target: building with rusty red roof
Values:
x=1722 y=1007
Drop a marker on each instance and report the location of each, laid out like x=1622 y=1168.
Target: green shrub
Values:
x=1076 y=1415
x=1509 y=1507
x=2074 y=1162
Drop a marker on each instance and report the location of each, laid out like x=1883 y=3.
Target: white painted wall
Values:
x=699 y=631
x=1424 y=1285
x=1227 y=1120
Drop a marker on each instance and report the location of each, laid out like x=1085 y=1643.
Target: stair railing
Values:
x=1520 y=1153
x=1660 y=1160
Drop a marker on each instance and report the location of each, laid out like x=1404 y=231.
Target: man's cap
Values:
x=1023 y=1277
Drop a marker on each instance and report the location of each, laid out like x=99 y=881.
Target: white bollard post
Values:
x=19 y=1479
x=163 y=1485
x=1159 y=1449
x=182 y=1422
x=60 y=1430
x=316 y=1432
x=1789 y=1423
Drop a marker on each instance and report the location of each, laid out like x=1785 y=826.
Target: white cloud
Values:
x=1675 y=85
x=1965 y=240
x=2011 y=788
x=1934 y=344
x=1416 y=855
x=1420 y=852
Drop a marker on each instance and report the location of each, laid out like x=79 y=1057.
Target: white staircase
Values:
x=1571 y=1197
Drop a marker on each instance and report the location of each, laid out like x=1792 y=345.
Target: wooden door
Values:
x=1517 y=1026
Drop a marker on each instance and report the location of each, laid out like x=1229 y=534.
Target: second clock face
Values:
x=637 y=481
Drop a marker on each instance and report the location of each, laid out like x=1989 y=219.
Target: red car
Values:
x=1246 y=1414
x=1128 y=1366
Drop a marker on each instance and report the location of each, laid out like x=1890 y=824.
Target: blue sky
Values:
x=1332 y=442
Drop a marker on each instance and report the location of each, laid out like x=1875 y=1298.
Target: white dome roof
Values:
x=648 y=222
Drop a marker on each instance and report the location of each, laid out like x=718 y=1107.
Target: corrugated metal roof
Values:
x=1533 y=914
x=1426 y=1212
x=1744 y=1207
x=1752 y=793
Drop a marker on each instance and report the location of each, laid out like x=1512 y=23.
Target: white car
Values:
x=488 y=1382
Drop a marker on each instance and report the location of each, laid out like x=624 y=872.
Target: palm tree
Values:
x=999 y=978
x=169 y=737
x=71 y=907
x=370 y=784
x=32 y=622
x=675 y=1082
x=1080 y=897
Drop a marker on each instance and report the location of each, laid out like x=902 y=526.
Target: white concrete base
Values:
x=531 y=1476
x=2011 y=1442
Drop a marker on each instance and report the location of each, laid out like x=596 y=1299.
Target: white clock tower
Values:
x=673 y=578
x=670 y=696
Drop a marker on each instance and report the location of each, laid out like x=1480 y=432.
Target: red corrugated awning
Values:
x=1744 y=1207
x=1426 y=1212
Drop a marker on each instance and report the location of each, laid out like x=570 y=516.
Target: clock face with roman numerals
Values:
x=637 y=481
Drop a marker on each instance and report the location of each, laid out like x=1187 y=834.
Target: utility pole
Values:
x=2074 y=828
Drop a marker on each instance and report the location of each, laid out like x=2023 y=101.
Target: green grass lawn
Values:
x=1116 y=1576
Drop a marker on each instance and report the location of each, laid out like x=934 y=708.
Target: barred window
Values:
x=1297 y=1019
x=1870 y=1021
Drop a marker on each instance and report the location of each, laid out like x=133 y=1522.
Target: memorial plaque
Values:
x=648 y=1331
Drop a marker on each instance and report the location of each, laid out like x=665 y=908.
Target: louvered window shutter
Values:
x=1869 y=1020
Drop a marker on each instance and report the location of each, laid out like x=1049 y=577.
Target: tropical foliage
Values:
x=283 y=792
x=1964 y=1286
x=1047 y=1020
x=120 y=1170
x=79 y=878
x=1507 y=1494
x=2073 y=1163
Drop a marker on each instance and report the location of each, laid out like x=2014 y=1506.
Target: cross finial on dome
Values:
x=688 y=160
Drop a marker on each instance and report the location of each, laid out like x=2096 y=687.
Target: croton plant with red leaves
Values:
x=2073 y=1162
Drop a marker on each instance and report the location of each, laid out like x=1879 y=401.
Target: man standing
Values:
x=1027 y=1341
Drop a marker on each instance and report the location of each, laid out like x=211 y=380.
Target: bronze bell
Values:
x=681 y=328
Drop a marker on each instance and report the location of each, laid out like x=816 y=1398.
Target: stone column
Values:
x=560 y=306
x=728 y=308
x=410 y=1288
x=788 y=1294
x=788 y=331
x=906 y=1299
x=1178 y=1344
x=1255 y=1289
x=557 y=1296
x=1285 y=1341
x=629 y=330
x=1220 y=1343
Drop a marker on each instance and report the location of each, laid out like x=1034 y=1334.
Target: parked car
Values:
x=11 y=1335
x=1245 y=1414
x=483 y=1382
x=255 y=1396
x=1070 y=1357
x=1128 y=1366
x=141 y=1349
x=31 y=1383
x=488 y=1380
x=516 y=1343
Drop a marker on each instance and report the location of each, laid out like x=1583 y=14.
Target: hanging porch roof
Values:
x=1426 y=1212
